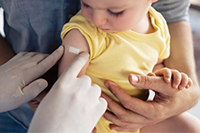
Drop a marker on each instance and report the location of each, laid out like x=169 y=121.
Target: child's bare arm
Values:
x=74 y=43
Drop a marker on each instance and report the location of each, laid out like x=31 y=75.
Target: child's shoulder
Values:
x=95 y=37
x=83 y=25
x=159 y=19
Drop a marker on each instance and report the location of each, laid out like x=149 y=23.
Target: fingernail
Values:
x=134 y=78
x=175 y=86
x=182 y=87
x=107 y=85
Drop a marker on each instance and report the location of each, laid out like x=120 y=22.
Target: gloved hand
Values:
x=73 y=105
x=17 y=85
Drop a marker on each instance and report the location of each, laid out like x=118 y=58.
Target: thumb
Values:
x=154 y=83
x=35 y=88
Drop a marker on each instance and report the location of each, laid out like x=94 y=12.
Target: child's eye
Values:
x=116 y=14
x=85 y=5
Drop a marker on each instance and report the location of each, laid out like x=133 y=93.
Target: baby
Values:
x=123 y=37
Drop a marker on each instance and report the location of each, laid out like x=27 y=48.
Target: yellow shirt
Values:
x=113 y=56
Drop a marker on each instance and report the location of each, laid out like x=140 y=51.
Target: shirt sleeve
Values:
x=173 y=10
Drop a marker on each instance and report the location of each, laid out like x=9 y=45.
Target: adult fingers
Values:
x=154 y=83
x=34 y=88
x=48 y=62
x=75 y=67
x=126 y=100
x=121 y=125
x=119 y=94
x=132 y=107
x=113 y=106
x=94 y=130
x=131 y=128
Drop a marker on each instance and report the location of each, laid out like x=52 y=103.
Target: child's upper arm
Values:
x=76 y=41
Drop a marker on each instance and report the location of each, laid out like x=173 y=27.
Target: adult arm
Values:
x=136 y=113
x=182 y=59
x=73 y=105
x=166 y=104
x=6 y=51
x=19 y=83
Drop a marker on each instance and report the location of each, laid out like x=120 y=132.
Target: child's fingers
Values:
x=189 y=83
x=184 y=81
x=166 y=73
x=176 y=79
x=151 y=74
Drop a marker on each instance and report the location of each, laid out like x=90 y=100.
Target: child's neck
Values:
x=144 y=26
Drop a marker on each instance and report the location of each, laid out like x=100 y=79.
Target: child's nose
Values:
x=98 y=18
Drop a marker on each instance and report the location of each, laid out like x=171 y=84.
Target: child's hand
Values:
x=179 y=80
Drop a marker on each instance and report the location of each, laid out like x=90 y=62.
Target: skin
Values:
x=114 y=17
x=182 y=59
x=181 y=45
x=68 y=101
x=128 y=117
x=6 y=51
x=152 y=115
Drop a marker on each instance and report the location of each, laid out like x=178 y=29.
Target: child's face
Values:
x=115 y=15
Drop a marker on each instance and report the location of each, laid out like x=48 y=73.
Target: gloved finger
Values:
x=93 y=94
x=18 y=56
x=34 y=89
x=102 y=106
x=39 y=57
x=48 y=62
x=30 y=54
x=84 y=80
x=95 y=91
x=75 y=67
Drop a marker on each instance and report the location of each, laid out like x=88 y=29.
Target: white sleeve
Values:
x=173 y=10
